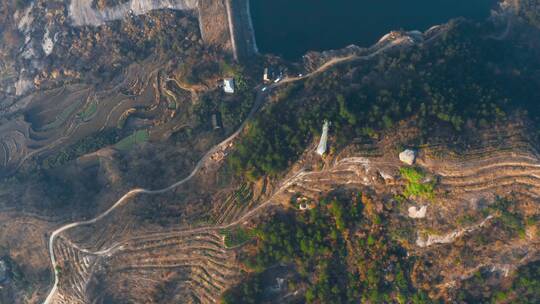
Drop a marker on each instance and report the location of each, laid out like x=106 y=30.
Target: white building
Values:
x=265 y=75
x=228 y=85
x=321 y=149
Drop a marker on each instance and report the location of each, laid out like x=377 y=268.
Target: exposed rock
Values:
x=82 y=13
x=386 y=176
x=25 y=19
x=47 y=44
x=449 y=237
x=22 y=86
x=408 y=156
x=415 y=212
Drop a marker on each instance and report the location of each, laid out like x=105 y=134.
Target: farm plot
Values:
x=129 y=142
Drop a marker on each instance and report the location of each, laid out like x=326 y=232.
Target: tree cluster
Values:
x=524 y=289
x=458 y=82
x=340 y=252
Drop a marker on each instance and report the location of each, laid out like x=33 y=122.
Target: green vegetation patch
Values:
x=524 y=289
x=171 y=104
x=129 y=142
x=507 y=218
x=442 y=87
x=233 y=108
x=273 y=139
x=88 y=112
x=62 y=118
x=243 y=195
x=415 y=186
x=241 y=82
x=83 y=146
x=339 y=252
x=237 y=236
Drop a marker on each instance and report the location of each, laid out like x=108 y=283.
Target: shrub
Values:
x=415 y=187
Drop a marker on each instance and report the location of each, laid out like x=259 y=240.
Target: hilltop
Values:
x=129 y=174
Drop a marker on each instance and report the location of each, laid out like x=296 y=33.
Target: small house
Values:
x=228 y=85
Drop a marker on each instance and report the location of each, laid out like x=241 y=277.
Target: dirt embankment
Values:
x=213 y=19
x=213 y=22
x=243 y=35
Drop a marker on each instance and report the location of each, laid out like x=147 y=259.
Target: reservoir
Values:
x=290 y=28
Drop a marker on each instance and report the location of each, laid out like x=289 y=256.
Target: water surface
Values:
x=290 y=28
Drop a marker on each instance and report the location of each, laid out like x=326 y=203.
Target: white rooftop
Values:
x=228 y=85
x=321 y=149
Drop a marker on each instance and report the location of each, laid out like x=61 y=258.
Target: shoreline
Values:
x=498 y=8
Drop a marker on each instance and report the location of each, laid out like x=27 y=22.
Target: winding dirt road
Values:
x=261 y=96
x=125 y=198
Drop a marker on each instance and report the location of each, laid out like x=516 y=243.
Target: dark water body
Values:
x=290 y=28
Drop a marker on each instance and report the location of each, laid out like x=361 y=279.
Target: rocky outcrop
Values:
x=408 y=156
x=417 y=213
x=82 y=13
x=213 y=16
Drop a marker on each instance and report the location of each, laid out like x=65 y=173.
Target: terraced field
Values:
x=125 y=252
x=207 y=267
x=62 y=116
x=199 y=265
x=76 y=266
x=235 y=205
x=210 y=265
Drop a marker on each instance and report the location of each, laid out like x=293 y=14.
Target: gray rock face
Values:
x=408 y=156
x=82 y=13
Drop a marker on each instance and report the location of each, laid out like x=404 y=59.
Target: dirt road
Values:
x=261 y=96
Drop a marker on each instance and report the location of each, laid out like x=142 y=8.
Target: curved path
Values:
x=136 y=191
x=125 y=198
